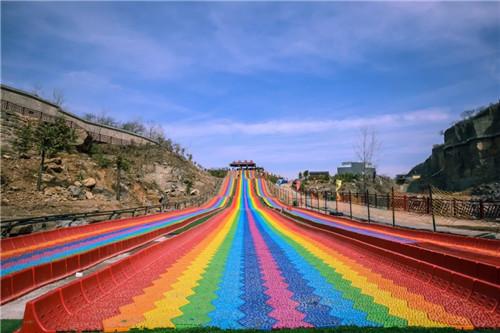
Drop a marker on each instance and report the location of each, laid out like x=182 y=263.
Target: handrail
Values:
x=7 y=225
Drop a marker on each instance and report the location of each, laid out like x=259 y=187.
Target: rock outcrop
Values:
x=469 y=157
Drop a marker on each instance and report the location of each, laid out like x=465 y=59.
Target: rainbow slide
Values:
x=478 y=257
x=249 y=266
x=27 y=262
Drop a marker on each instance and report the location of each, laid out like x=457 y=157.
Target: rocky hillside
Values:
x=379 y=185
x=469 y=156
x=85 y=179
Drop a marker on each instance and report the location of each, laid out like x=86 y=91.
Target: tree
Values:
x=58 y=97
x=155 y=132
x=23 y=141
x=177 y=148
x=134 y=126
x=50 y=139
x=367 y=149
x=300 y=175
x=122 y=164
x=167 y=143
x=190 y=157
x=37 y=89
x=103 y=119
x=306 y=173
x=467 y=114
x=189 y=186
x=90 y=117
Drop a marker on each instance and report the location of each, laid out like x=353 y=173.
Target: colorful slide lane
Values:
x=250 y=267
x=485 y=251
x=23 y=258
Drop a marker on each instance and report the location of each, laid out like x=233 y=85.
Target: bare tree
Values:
x=177 y=148
x=58 y=97
x=37 y=89
x=155 y=132
x=367 y=149
x=135 y=126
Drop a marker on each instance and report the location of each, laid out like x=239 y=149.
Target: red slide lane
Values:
x=113 y=286
x=481 y=292
x=483 y=249
x=480 y=247
x=22 y=282
x=479 y=279
x=464 y=265
x=57 y=236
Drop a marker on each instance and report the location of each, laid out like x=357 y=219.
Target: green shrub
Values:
x=346 y=177
x=97 y=154
x=24 y=140
x=220 y=173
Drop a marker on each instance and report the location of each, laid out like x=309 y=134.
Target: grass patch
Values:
x=342 y=329
x=9 y=325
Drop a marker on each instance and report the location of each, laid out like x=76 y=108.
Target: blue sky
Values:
x=289 y=85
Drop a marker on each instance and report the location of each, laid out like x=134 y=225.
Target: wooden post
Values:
x=481 y=209
x=350 y=204
x=118 y=185
x=393 y=211
x=368 y=204
x=432 y=210
x=40 y=170
x=317 y=199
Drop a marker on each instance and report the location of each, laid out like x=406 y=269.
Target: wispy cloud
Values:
x=297 y=127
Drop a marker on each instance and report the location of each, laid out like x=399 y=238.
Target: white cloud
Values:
x=297 y=127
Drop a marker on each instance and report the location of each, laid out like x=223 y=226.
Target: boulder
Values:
x=89 y=195
x=47 y=178
x=77 y=183
x=57 y=168
x=89 y=182
x=104 y=192
x=194 y=191
x=55 y=160
x=21 y=230
x=124 y=188
x=75 y=191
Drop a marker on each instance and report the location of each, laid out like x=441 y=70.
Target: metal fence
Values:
x=7 y=225
x=364 y=205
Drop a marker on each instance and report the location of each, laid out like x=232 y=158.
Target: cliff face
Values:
x=470 y=155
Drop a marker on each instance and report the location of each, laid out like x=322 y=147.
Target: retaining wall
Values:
x=17 y=102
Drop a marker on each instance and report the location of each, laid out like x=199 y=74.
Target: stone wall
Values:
x=17 y=103
x=470 y=155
